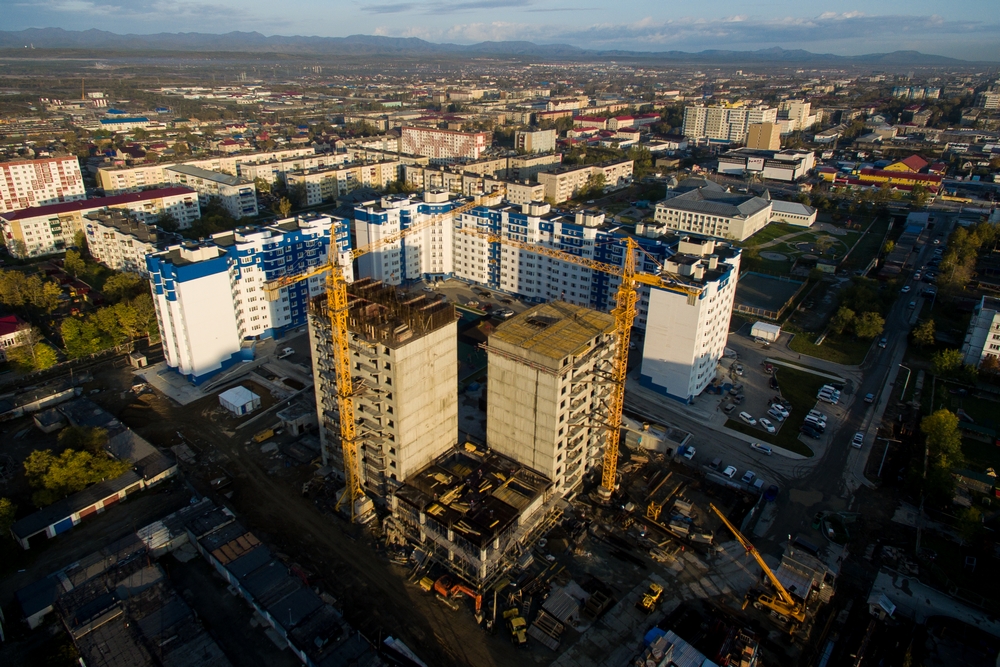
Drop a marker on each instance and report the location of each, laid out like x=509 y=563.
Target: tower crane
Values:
x=337 y=310
x=783 y=604
x=624 y=313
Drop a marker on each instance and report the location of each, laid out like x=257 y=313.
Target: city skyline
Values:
x=965 y=32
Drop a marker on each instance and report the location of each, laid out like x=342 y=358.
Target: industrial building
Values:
x=210 y=299
x=787 y=165
x=547 y=381
x=476 y=512
x=404 y=359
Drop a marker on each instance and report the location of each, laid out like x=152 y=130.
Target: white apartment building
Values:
x=546 y=383
x=788 y=165
x=564 y=183
x=120 y=178
x=406 y=412
x=710 y=210
x=237 y=195
x=797 y=112
x=983 y=337
x=685 y=338
x=27 y=183
x=729 y=124
x=538 y=141
x=210 y=298
x=274 y=171
x=122 y=243
x=45 y=230
x=328 y=183
x=443 y=146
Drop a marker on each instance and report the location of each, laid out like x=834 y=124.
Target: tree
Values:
x=283 y=207
x=263 y=186
x=84 y=438
x=56 y=477
x=923 y=334
x=842 y=320
x=869 y=325
x=32 y=354
x=74 y=264
x=944 y=440
x=80 y=241
x=990 y=366
x=167 y=222
x=890 y=245
x=8 y=511
x=595 y=185
x=297 y=195
x=123 y=286
x=947 y=362
x=918 y=196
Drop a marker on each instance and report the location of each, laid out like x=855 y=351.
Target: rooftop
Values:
x=554 y=330
x=94 y=203
x=712 y=202
x=214 y=176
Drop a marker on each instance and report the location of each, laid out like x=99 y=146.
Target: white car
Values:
x=748 y=418
x=763 y=449
x=858 y=441
x=775 y=415
x=779 y=408
x=689 y=453
x=906 y=288
x=768 y=426
x=748 y=477
x=729 y=472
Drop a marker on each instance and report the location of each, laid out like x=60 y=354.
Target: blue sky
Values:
x=967 y=29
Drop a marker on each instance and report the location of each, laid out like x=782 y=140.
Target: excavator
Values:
x=787 y=608
x=446 y=589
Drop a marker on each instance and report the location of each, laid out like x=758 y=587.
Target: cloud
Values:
x=444 y=7
x=391 y=9
x=139 y=10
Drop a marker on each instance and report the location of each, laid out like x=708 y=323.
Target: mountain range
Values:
x=371 y=45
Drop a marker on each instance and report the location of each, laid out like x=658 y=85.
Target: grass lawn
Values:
x=869 y=245
x=800 y=389
x=771 y=232
x=774 y=267
x=845 y=350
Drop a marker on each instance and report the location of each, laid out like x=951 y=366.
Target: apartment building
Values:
x=327 y=183
x=526 y=167
x=121 y=242
x=537 y=141
x=983 y=336
x=27 y=183
x=210 y=298
x=119 y=178
x=44 y=230
x=406 y=410
x=237 y=195
x=547 y=380
x=795 y=115
x=686 y=335
x=724 y=124
x=443 y=146
x=788 y=165
x=711 y=210
x=564 y=183
x=764 y=136
x=275 y=171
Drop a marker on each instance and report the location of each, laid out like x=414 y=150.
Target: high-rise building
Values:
x=121 y=243
x=538 y=141
x=983 y=337
x=547 y=375
x=764 y=136
x=327 y=183
x=728 y=124
x=404 y=359
x=26 y=183
x=443 y=145
x=210 y=296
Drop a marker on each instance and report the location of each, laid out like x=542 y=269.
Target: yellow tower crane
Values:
x=784 y=605
x=337 y=310
x=624 y=314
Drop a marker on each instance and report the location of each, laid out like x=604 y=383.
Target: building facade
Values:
x=724 y=124
x=327 y=183
x=237 y=195
x=538 y=141
x=27 y=183
x=210 y=297
x=45 y=230
x=712 y=211
x=547 y=380
x=764 y=136
x=443 y=145
x=983 y=336
x=406 y=410
x=787 y=165
x=122 y=243
x=564 y=183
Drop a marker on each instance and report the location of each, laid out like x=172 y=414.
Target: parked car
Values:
x=858 y=440
x=767 y=425
x=882 y=343
x=689 y=452
x=775 y=415
x=916 y=276
x=768 y=368
x=748 y=477
x=763 y=449
x=815 y=424
x=810 y=431
x=738 y=369
x=906 y=288
x=771 y=494
x=911 y=305
x=503 y=313
x=817 y=414
x=729 y=408
x=748 y=418
x=729 y=472
x=774 y=382
x=778 y=407
x=285 y=352
x=869 y=397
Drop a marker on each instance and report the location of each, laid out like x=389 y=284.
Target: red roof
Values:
x=624 y=117
x=914 y=162
x=94 y=203
x=9 y=324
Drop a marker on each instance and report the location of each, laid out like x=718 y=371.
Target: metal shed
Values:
x=239 y=401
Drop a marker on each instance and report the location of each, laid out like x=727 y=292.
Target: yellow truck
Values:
x=651 y=598
x=517 y=626
x=263 y=435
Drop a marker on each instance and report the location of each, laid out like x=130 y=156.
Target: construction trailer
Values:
x=239 y=401
x=765 y=332
x=475 y=512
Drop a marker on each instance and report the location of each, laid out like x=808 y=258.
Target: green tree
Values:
x=869 y=325
x=594 y=186
x=263 y=185
x=56 y=477
x=923 y=334
x=283 y=207
x=145 y=317
x=74 y=264
x=84 y=438
x=8 y=511
x=80 y=242
x=918 y=196
x=33 y=354
x=123 y=286
x=843 y=318
x=946 y=362
x=167 y=222
x=944 y=440
x=83 y=336
x=890 y=245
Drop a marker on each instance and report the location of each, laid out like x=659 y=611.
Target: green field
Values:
x=771 y=232
x=800 y=389
x=846 y=350
x=869 y=246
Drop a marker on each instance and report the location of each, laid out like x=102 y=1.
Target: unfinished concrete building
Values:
x=476 y=512
x=404 y=353
x=548 y=381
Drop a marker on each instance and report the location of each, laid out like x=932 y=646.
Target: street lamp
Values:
x=907 y=382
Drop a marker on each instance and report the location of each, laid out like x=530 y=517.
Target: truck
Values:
x=651 y=598
x=285 y=352
x=263 y=435
x=517 y=626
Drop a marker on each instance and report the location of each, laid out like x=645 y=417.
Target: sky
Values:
x=968 y=29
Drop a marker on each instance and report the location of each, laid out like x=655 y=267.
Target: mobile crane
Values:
x=784 y=605
x=337 y=307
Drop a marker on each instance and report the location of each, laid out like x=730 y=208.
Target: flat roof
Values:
x=95 y=203
x=556 y=329
x=215 y=176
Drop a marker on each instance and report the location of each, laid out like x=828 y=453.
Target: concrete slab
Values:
x=169 y=382
x=919 y=602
